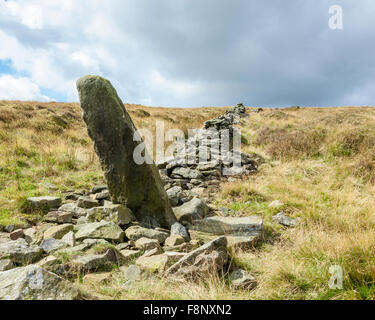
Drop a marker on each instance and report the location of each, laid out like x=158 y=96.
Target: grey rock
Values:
x=69 y=239
x=133 y=273
x=210 y=257
x=87 y=203
x=284 y=220
x=50 y=245
x=34 y=283
x=57 y=232
x=6 y=264
x=136 y=232
x=98 y=188
x=19 y=251
x=101 y=230
x=73 y=208
x=58 y=217
x=178 y=229
x=192 y=210
x=44 y=202
x=146 y=244
x=241 y=279
x=109 y=125
x=116 y=213
x=186 y=173
x=174 y=195
x=92 y=262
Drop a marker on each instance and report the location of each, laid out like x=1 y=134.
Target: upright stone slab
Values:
x=109 y=125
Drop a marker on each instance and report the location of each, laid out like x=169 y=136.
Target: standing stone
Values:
x=138 y=186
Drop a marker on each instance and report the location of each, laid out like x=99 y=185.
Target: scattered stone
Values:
x=136 y=232
x=158 y=263
x=94 y=261
x=98 y=188
x=146 y=244
x=34 y=283
x=48 y=262
x=152 y=252
x=174 y=240
x=116 y=213
x=104 y=195
x=58 y=232
x=44 y=202
x=109 y=125
x=72 y=196
x=210 y=257
x=275 y=204
x=133 y=273
x=123 y=246
x=6 y=264
x=50 y=245
x=192 y=210
x=101 y=230
x=19 y=251
x=178 y=229
x=130 y=254
x=16 y=234
x=69 y=239
x=102 y=277
x=73 y=208
x=174 y=195
x=244 y=242
x=186 y=173
x=87 y=203
x=58 y=217
x=240 y=226
x=284 y=220
x=241 y=279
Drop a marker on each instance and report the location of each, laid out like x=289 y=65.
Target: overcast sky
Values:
x=187 y=53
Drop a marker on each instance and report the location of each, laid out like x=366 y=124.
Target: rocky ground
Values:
x=86 y=235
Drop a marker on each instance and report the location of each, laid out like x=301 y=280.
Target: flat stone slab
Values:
x=19 y=251
x=101 y=230
x=45 y=201
x=240 y=226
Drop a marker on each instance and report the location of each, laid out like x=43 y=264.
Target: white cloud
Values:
x=12 y=88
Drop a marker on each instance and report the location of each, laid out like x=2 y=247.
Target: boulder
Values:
x=178 y=229
x=98 y=188
x=101 y=230
x=50 y=245
x=116 y=213
x=131 y=181
x=57 y=232
x=174 y=240
x=73 y=208
x=16 y=234
x=146 y=244
x=34 y=283
x=192 y=210
x=209 y=258
x=133 y=273
x=45 y=202
x=158 y=263
x=186 y=173
x=174 y=195
x=128 y=255
x=239 y=226
x=92 y=262
x=19 y=251
x=58 y=217
x=136 y=232
x=6 y=264
x=69 y=239
x=48 y=261
x=241 y=279
x=283 y=219
x=87 y=203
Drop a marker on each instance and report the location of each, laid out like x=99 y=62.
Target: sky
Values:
x=191 y=53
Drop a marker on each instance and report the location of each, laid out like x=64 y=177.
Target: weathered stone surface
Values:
x=136 y=232
x=146 y=244
x=73 y=208
x=44 y=202
x=102 y=195
x=6 y=264
x=178 y=229
x=284 y=220
x=240 y=226
x=19 y=251
x=244 y=242
x=101 y=277
x=241 y=279
x=16 y=234
x=210 y=257
x=192 y=210
x=158 y=263
x=57 y=232
x=34 y=235
x=133 y=273
x=129 y=254
x=50 y=245
x=48 y=262
x=34 y=283
x=98 y=188
x=116 y=213
x=87 y=203
x=91 y=262
x=186 y=173
x=69 y=239
x=138 y=186
x=174 y=240
x=101 y=230
x=174 y=195
x=58 y=217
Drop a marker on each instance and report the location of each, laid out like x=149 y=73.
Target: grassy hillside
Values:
x=320 y=162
